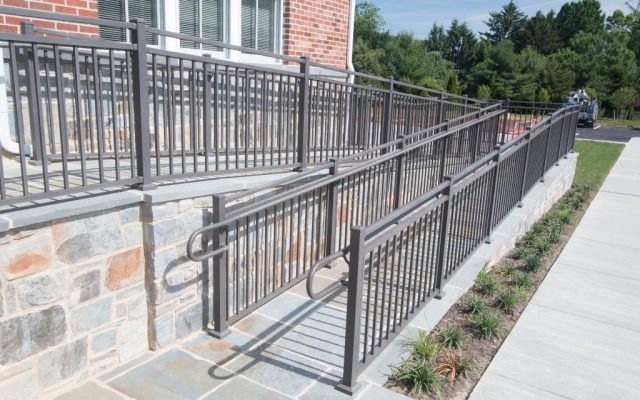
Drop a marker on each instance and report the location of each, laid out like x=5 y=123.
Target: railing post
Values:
x=506 y=121
x=388 y=115
x=352 y=367
x=475 y=140
x=442 y=239
x=207 y=112
x=441 y=116
x=220 y=289
x=546 y=149
x=492 y=195
x=443 y=156
x=332 y=208
x=399 y=182
x=303 y=114
x=525 y=168
x=562 y=133
x=35 y=121
x=141 y=104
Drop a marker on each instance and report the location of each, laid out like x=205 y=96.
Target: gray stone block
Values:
x=104 y=340
x=163 y=261
x=133 y=339
x=164 y=327
x=163 y=233
x=42 y=289
x=84 y=287
x=4 y=224
x=91 y=316
x=185 y=205
x=90 y=244
x=129 y=214
x=23 y=386
x=188 y=320
x=31 y=333
x=240 y=388
x=132 y=234
x=137 y=307
x=159 y=211
x=63 y=362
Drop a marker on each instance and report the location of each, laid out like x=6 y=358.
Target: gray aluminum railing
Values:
x=90 y=113
x=402 y=260
x=261 y=246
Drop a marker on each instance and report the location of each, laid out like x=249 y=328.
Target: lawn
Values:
x=595 y=161
x=635 y=123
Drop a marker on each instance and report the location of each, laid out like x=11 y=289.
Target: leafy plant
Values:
x=473 y=305
x=565 y=215
x=424 y=347
x=522 y=281
x=452 y=337
x=532 y=263
x=555 y=234
x=487 y=325
x=487 y=283
x=508 y=270
x=508 y=300
x=522 y=252
x=541 y=246
x=421 y=376
x=454 y=365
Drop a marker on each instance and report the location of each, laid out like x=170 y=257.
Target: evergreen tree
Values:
x=504 y=24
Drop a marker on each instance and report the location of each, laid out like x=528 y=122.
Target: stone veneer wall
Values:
x=83 y=295
x=72 y=300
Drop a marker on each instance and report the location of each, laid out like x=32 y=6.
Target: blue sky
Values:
x=418 y=16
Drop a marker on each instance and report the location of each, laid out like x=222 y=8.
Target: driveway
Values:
x=607 y=133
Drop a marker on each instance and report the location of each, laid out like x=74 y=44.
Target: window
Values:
x=201 y=18
x=126 y=10
x=258 y=25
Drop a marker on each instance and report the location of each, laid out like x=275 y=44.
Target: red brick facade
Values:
x=318 y=29
x=83 y=8
x=315 y=28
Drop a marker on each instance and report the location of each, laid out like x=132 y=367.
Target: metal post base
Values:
x=350 y=390
x=488 y=240
x=440 y=295
x=217 y=334
x=520 y=205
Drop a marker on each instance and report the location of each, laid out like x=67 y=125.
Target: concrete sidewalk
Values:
x=579 y=338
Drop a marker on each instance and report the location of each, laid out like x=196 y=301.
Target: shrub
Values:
x=454 y=365
x=522 y=281
x=452 y=337
x=555 y=234
x=486 y=283
x=487 y=325
x=508 y=300
x=508 y=270
x=423 y=347
x=472 y=305
x=532 y=263
x=522 y=252
x=564 y=215
x=541 y=246
x=421 y=377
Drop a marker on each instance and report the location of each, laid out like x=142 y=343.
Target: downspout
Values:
x=352 y=17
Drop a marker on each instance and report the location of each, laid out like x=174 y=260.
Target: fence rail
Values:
x=401 y=261
x=88 y=113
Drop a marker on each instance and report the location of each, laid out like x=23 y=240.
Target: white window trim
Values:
x=231 y=32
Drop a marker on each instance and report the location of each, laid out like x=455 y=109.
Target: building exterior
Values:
x=315 y=28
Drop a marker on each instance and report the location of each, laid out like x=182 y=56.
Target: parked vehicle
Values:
x=588 y=107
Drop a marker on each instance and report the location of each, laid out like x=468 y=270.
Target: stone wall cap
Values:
x=65 y=208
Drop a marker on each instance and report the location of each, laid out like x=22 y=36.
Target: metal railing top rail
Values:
x=539 y=126
x=28 y=13
x=250 y=209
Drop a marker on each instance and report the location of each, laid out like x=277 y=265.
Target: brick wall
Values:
x=83 y=8
x=318 y=29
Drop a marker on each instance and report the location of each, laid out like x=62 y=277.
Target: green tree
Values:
x=453 y=84
x=580 y=16
x=540 y=32
x=622 y=100
x=484 y=92
x=504 y=24
x=460 y=46
x=437 y=39
x=559 y=76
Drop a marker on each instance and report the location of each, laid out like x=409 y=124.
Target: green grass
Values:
x=487 y=325
x=595 y=161
x=421 y=377
x=452 y=337
x=487 y=283
x=635 y=123
x=473 y=305
x=424 y=347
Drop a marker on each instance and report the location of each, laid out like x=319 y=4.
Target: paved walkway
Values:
x=579 y=338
